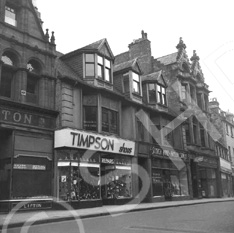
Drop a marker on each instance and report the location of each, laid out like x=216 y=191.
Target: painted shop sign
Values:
x=202 y=160
x=19 y=166
x=25 y=118
x=225 y=165
x=83 y=140
x=155 y=151
x=35 y=205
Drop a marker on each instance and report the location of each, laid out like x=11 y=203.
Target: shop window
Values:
x=136 y=83
x=10 y=16
x=7 y=74
x=161 y=94
x=33 y=76
x=90 y=118
x=103 y=67
x=116 y=180
x=109 y=121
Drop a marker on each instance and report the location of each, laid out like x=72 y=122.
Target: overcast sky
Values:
x=205 y=26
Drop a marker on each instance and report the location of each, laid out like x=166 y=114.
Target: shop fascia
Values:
x=225 y=165
x=96 y=142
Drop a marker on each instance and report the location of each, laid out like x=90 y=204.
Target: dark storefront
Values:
x=26 y=154
x=92 y=169
x=204 y=171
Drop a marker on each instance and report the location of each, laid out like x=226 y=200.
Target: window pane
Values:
x=89 y=57
x=10 y=16
x=6 y=79
x=107 y=74
x=90 y=118
x=89 y=70
x=100 y=60
x=135 y=77
x=152 y=93
x=7 y=60
x=136 y=87
x=31 y=85
x=113 y=122
x=105 y=120
x=100 y=71
x=163 y=90
x=107 y=63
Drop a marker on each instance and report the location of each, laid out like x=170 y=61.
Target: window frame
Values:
x=9 y=20
x=110 y=124
x=161 y=97
x=84 y=117
x=136 y=82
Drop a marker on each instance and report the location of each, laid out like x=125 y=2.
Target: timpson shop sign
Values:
x=83 y=140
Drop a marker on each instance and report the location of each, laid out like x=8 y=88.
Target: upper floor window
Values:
x=103 y=67
x=10 y=16
x=90 y=118
x=231 y=131
x=227 y=129
x=7 y=74
x=136 y=83
x=194 y=123
x=32 y=88
x=157 y=94
x=183 y=92
x=109 y=121
x=202 y=135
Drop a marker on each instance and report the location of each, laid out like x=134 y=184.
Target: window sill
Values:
x=138 y=95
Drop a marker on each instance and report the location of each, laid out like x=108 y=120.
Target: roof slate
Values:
x=125 y=65
x=168 y=59
x=123 y=57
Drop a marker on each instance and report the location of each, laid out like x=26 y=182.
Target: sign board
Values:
x=34 y=205
x=20 y=166
x=97 y=142
x=225 y=165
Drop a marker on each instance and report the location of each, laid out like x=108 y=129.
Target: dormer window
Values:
x=10 y=16
x=103 y=67
x=156 y=93
x=136 y=83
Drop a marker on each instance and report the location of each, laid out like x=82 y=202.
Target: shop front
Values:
x=226 y=178
x=169 y=174
x=204 y=176
x=92 y=169
x=26 y=154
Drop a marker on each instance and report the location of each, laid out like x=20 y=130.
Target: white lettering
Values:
x=6 y=113
x=17 y=117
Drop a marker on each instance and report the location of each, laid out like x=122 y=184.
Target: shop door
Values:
x=194 y=179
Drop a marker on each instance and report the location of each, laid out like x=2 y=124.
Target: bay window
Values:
x=157 y=94
x=103 y=67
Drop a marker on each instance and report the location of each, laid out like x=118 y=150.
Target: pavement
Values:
x=18 y=219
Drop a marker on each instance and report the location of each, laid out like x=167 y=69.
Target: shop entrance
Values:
x=5 y=163
x=195 y=182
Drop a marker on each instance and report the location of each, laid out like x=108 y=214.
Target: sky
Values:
x=205 y=26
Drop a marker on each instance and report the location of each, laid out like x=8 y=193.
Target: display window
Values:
x=167 y=180
x=78 y=177
x=116 y=179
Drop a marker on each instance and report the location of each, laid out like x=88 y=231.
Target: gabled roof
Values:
x=94 y=47
x=154 y=77
x=168 y=59
x=132 y=64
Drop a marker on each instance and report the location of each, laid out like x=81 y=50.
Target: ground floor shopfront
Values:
x=168 y=171
x=226 y=178
x=93 y=169
x=205 y=173
x=26 y=154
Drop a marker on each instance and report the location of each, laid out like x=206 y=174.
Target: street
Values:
x=202 y=218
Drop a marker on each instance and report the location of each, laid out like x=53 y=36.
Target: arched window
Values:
x=34 y=71
x=9 y=61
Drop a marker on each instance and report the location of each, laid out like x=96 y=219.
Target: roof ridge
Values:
x=166 y=55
